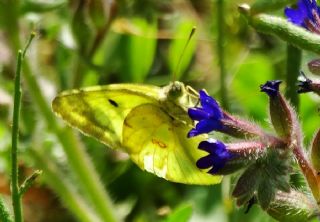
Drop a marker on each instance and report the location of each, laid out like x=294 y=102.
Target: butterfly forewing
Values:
x=158 y=144
x=100 y=111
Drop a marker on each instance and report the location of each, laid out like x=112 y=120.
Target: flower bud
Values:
x=307 y=85
x=314 y=66
x=283 y=117
x=243 y=153
x=292 y=206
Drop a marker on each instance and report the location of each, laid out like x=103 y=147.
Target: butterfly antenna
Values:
x=193 y=30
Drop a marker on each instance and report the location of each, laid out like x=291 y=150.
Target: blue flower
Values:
x=217 y=158
x=209 y=115
x=305 y=15
x=271 y=87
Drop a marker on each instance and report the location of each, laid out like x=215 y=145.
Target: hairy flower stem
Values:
x=220 y=49
x=293 y=71
x=285 y=30
x=309 y=173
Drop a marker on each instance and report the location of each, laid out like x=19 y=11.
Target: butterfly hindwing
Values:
x=157 y=143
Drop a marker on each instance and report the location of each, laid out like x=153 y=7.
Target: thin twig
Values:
x=16 y=202
x=16 y=198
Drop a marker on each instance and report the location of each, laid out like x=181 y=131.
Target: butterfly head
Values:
x=175 y=90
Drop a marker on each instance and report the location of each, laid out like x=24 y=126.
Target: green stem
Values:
x=220 y=50
x=293 y=69
x=16 y=201
x=15 y=189
x=79 y=70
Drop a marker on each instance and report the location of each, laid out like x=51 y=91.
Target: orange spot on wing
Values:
x=127 y=124
x=159 y=143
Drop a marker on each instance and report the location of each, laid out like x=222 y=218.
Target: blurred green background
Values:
x=95 y=42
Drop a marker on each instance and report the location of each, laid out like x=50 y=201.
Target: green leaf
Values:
x=263 y=178
x=181 y=214
x=297 y=181
x=98 y=13
x=25 y=186
x=274 y=176
x=265 y=193
x=256 y=69
x=246 y=185
x=177 y=47
x=82 y=29
x=38 y=6
x=138 y=51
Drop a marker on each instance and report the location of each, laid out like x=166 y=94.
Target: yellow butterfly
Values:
x=150 y=123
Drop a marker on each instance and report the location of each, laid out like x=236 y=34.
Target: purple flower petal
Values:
x=204 y=162
x=208 y=125
x=211 y=146
x=209 y=115
x=198 y=114
x=294 y=16
x=218 y=164
x=193 y=133
x=217 y=158
x=205 y=126
x=305 y=15
x=210 y=105
x=206 y=146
